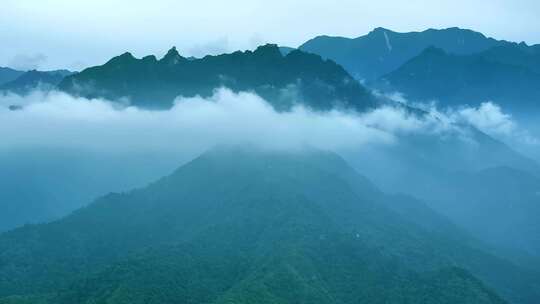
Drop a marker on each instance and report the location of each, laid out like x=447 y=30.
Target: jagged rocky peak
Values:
x=269 y=51
x=172 y=57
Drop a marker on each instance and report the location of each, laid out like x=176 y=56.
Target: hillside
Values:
x=246 y=225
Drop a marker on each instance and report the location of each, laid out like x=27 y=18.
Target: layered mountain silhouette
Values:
x=456 y=80
x=284 y=80
x=243 y=225
x=382 y=51
x=35 y=80
x=483 y=187
x=7 y=75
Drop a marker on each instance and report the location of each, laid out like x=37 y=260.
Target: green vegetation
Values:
x=240 y=226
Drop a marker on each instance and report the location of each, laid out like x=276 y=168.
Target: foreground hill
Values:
x=457 y=80
x=246 y=226
x=382 y=51
x=284 y=80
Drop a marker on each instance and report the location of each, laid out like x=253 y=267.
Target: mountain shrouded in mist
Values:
x=35 y=80
x=487 y=189
x=296 y=78
x=244 y=225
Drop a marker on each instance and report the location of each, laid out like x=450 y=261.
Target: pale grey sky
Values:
x=49 y=34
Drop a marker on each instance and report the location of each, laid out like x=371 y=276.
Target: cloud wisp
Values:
x=487 y=117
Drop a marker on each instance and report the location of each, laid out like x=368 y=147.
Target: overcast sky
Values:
x=50 y=34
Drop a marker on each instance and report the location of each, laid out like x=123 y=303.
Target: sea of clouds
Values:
x=55 y=119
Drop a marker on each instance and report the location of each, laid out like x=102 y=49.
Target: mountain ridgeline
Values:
x=382 y=51
x=249 y=226
x=283 y=80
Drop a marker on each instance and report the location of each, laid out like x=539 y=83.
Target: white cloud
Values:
x=57 y=119
x=489 y=118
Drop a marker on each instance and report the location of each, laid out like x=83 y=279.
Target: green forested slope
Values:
x=244 y=227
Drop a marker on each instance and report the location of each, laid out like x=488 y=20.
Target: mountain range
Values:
x=382 y=51
x=452 y=66
x=284 y=80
